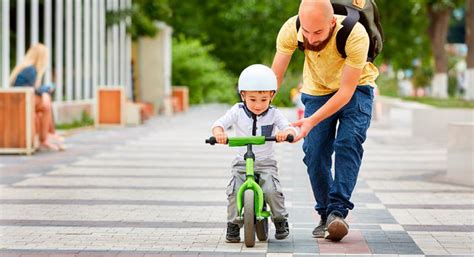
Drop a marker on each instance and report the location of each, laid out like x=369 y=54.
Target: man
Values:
x=336 y=90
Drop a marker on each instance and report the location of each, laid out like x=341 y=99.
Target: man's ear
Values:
x=272 y=95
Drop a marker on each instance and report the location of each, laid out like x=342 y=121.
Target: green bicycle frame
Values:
x=250 y=183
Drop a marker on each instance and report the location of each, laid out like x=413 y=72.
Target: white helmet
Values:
x=257 y=77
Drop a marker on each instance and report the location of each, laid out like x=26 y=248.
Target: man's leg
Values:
x=354 y=120
x=318 y=148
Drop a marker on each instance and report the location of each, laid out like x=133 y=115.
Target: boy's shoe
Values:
x=318 y=232
x=337 y=227
x=233 y=233
x=282 y=229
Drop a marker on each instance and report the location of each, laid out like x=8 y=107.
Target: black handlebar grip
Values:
x=211 y=141
x=290 y=138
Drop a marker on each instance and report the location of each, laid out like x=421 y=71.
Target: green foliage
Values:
x=422 y=76
x=443 y=4
x=144 y=14
x=243 y=32
x=405 y=26
x=452 y=74
x=205 y=75
x=85 y=121
x=283 y=98
x=387 y=86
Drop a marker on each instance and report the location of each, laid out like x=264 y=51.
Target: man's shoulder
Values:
x=290 y=24
x=292 y=20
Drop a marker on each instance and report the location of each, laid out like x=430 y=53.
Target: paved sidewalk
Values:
x=158 y=190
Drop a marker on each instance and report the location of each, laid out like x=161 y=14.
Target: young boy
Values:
x=255 y=116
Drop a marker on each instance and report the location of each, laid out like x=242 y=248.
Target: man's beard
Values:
x=319 y=46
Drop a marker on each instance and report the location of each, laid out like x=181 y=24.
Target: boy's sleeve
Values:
x=282 y=123
x=228 y=119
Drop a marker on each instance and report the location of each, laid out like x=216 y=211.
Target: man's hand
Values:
x=349 y=79
x=305 y=125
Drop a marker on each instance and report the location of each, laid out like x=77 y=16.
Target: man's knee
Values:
x=350 y=140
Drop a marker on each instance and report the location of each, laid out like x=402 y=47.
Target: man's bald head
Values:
x=317 y=23
x=314 y=8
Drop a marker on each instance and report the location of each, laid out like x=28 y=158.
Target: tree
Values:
x=404 y=24
x=439 y=13
x=469 y=75
x=144 y=14
x=242 y=32
x=205 y=75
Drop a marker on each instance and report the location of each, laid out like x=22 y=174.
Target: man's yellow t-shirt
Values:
x=322 y=70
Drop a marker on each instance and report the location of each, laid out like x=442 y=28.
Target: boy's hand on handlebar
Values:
x=221 y=138
x=282 y=135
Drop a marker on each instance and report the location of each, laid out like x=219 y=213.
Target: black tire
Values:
x=249 y=218
x=262 y=229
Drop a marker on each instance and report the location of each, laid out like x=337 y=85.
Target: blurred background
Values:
x=123 y=184
x=204 y=46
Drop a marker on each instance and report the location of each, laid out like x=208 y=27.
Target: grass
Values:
x=442 y=103
x=85 y=121
x=389 y=87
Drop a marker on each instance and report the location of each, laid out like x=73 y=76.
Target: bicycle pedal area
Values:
x=159 y=190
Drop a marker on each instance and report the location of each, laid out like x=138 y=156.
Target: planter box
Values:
x=17 y=120
x=110 y=106
x=134 y=116
x=432 y=124
x=180 y=99
x=461 y=153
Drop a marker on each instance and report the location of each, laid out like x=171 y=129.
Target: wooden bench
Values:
x=17 y=120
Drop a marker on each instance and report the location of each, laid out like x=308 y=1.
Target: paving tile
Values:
x=158 y=190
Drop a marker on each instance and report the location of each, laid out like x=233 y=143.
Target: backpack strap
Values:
x=347 y=25
x=298 y=24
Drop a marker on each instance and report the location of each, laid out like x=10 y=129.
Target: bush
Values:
x=422 y=76
x=387 y=86
x=205 y=75
x=283 y=98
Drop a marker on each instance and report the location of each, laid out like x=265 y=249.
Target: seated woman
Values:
x=29 y=73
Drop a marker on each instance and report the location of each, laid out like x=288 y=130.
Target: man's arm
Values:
x=279 y=66
x=349 y=81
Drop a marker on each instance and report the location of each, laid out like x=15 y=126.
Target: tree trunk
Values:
x=469 y=75
x=438 y=32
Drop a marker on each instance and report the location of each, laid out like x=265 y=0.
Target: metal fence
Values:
x=84 y=51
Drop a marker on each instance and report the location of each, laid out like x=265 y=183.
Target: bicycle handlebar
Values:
x=213 y=141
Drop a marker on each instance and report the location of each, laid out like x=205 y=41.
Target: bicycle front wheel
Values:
x=249 y=218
